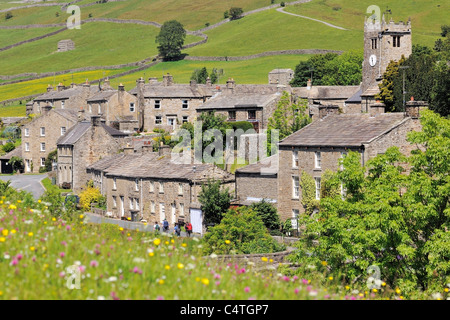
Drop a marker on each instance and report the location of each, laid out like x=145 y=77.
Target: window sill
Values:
x=317 y=169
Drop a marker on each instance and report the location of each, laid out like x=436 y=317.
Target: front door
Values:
x=122 y=208
x=196 y=220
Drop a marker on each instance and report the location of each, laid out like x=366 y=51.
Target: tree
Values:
x=16 y=163
x=240 y=231
x=389 y=220
x=343 y=70
x=440 y=92
x=8 y=147
x=289 y=116
x=171 y=39
x=52 y=157
x=314 y=68
x=386 y=94
x=215 y=202
x=236 y=13
x=268 y=214
x=8 y=15
x=89 y=196
x=200 y=75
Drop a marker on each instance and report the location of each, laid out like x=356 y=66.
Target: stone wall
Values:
x=32 y=40
x=256 y=186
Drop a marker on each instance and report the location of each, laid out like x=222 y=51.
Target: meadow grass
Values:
x=47 y=183
x=26 y=88
x=15 y=110
x=255 y=71
x=271 y=30
x=37 y=249
x=426 y=16
x=9 y=37
x=96 y=44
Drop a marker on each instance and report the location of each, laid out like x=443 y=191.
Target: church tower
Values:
x=383 y=42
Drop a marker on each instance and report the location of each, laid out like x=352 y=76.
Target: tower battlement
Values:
x=371 y=25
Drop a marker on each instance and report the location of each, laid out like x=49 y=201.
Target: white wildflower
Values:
x=437 y=296
x=195 y=239
x=112 y=279
x=190 y=266
x=313 y=293
x=213 y=255
x=100 y=298
x=6 y=256
x=138 y=260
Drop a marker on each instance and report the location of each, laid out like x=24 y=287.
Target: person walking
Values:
x=189 y=229
x=177 y=229
x=165 y=225
x=156 y=227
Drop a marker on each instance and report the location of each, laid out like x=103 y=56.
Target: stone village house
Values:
x=84 y=144
x=40 y=135
x=151 y=186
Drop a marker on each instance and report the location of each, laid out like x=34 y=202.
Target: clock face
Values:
x=373 y=60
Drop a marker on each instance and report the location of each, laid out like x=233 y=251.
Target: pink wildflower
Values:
x=94 y=263
x=62 y=254
x=247 y=289
x=19 y=256
x=296 y=290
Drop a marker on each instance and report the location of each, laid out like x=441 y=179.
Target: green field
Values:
x=426 y=16
x=8 y=37
x=16 y=110
x=271 y=30
x=96 y=44
x=253 y=71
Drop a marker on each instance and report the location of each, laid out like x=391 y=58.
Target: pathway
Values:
x=304 y=17
x=27 y=182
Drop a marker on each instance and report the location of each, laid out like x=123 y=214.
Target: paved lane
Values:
x=30 y=183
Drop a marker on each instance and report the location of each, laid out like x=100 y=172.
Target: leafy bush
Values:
x=236 y=13
x=241 y=231
x=8 y=147
x=268 y=214
x=215 y=202
x=42 y=170
x=91 y=195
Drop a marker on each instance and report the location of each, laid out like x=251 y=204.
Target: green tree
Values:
x=236 y=13
x=268 y=214
x=289 y=116
x=343 y=70
x=171 y=39
x=386 y=86
x=200 y=75
x=440 y=92
x=52 y=157
x=240 y=231
x=215 y=202
x=314 y=68
x=8 y=147
x=397 y=222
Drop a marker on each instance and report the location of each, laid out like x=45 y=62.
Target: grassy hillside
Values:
x=96 y=44
x=426 y=16
x=272 y=30
x=8 y=37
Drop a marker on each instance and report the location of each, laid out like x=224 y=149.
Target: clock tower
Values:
x=383 y=42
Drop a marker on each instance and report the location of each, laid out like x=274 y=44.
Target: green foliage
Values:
x=89 y=196
x=52 y=157
x=171 y=39
x=8 y=15
x=8 y=147
x=16 y=163
x=268 y=214
x=244 y=230
x=289 y=116
x=308 y=189
x=5 y=186
x=236 y=13
x=391 y=220
x=386 y=94
x=200 y=75
x=243 y=125
x=215 y=202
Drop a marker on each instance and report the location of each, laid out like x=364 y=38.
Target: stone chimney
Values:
x=327 y=110
x=128 y=149
x=81 y=115
x=46 y=109
x=95 y=120
x=281 y=88
x=412 y=108
x=106 y=84
x=49 y=88
x=73 y=85
x=164 y=150
x=147 y=148
x=167 y=80
x=377 y=108
x=309 y=84
x=208 y=82
x=230 y=85
x=121 y=87
x=60 y=87
x=152 y=80
x=86 y=86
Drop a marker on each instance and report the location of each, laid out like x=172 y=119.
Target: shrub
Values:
x=8 y=15
x=236 y=13
x=91 y=195
x=42 y=170
x=240 y=231
x=8 y=147
x=268 y=214
x=283 y=4
x=226 y=15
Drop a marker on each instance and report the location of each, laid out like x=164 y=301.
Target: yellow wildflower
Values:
x=120 y=229
x=167 y=267
x=53 y=219
x=184 y=245
x=383 y=284
x=5 y=232
x=151 y=253
x=375 y=290
x=30 y=234
x=32 y=248
x=180 y=265
x=197 y=279
x=2 y=239
x=205 y=281
x=330 y=278
x=39 y=201
x=347 y=288
x=161 y=281
x=157 y=242
x=397 y=291
x=172 y=241
x=270 y=260
x=446 y=289
x=166 y=242
x=11 y=206
x=324 y=263
x=13 y=231
x=81 y=216
x=264 y=259
x=227 y=241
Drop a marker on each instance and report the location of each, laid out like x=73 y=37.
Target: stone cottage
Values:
x=39 y=137
x=84 y=144
x=150 y=185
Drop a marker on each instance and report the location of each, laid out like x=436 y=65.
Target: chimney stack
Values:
x=167 y=80
x=309 y=84
x=106 y=84
x=60 y=87
x=164 y=150
x=208 y=82
x=46 y=109
x=230 y=85
x=95 y=120
x=49 y=88
x=377 y=108
x=326 y=110
x=121 y=87
x=128 y=149
x=413 y=108
x=193 y=84
x=81 y=115
x=152 y=80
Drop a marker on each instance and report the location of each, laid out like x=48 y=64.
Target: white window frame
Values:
x=152 y=206
x=42 y=131
x=184 y=104
x=295 y=159
x=136 y=203
x=185 y=119
x=318 y=183
x=318 y=160
x=42 y=162
x=42 y=146
x=131 y=204
x=295 y=187
x=157 y=104
x=343 y=154
x=158 y=120
x=180 y=189
x=152 y=186
x=27 y=146
x=162 y=211
x=63 y=130
x=114 y=198
x=114 y=183
x=136 y=185
x=62 y=104
x=294 y=220
x=161 y=187
x=181 y=209
x=27 y=132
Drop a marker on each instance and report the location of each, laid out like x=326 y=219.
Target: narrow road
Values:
x=304 y=17
x=30 y=183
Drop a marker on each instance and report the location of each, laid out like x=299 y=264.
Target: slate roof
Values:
x=268 y=166
x=276 y=71
x=326 y=92
x=356 y=98
x=67 y=113
x=78 y=130
x=102 y=96
x=17 y=152
x=344 y=130
x=65 y=94
x=153 y=165
x=239 y=100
